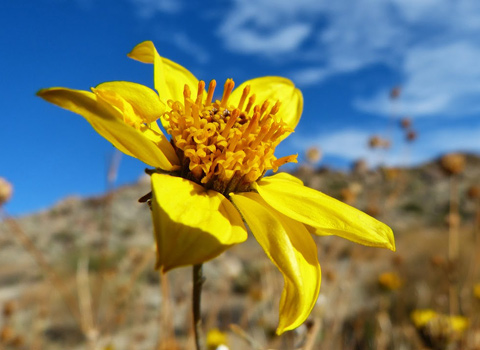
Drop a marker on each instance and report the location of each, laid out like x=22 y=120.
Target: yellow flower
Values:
x=390 y=280
x=210 y=173
x=439 y=330
x=476 y=290
x=215 y=338
x=422 y=318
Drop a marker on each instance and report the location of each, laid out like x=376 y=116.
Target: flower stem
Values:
x=198 y=280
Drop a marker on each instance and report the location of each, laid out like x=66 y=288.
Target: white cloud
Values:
x=285 y=39
x=268 y=27
x=461 y=138
x=309 y=76
x=444 y=79
x=352 y=144
x=148 y=8
x=349 y=144
x=433 y=46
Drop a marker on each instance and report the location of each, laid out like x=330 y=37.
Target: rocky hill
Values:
x=80 y=275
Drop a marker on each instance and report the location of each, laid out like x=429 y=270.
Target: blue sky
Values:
x=344 y=55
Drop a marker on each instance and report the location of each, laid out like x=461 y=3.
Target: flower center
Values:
x=222 y=146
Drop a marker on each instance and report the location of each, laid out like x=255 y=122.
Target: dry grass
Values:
x=81 y=277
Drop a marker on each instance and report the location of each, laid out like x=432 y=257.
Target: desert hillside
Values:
x=80 y=275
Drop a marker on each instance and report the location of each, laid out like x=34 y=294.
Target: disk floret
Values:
x=222 y=146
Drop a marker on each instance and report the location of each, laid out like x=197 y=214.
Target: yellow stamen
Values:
x=245 y=93
x=223 y=147
x=201 y=88
x=186 y=96
x=251 y=101
x=231 y=121
x=211 y=90
x=227 y=90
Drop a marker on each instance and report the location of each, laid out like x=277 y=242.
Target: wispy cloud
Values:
x=267 y=27
x=348 y=144
x=285 y=39
x=441 y=79
x=309 y=76
x=352 y=144
x=184 y=43
x=433 y=46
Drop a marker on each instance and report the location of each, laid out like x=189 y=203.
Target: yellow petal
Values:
x=145 y=102
x=291 y=248
x=138 y=105
x=324 y=214
x=192 y=225
x=169 y=77
x=273 y=89
x=108 y=122
x=288 y=177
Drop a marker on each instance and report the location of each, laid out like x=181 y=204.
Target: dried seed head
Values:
x=9 y=308
x=453 y=163
x=395 y=92
x=411 y=135
x=375 y=142
x=314 y=155
x=406 y=123
x=474 y=192
x=6 y=190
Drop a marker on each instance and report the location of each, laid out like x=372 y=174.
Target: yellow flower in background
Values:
x=423 y=317
x=390 y=281
x=476 y=290
x=439 y=330
x=215 y=339
x=209 y=175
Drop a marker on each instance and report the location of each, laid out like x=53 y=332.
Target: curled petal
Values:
x=324 y=214
x=169 y=77
x=291 y=248
x=108 y=122
x=192 y=225
x=275 y=89
x=145 y=102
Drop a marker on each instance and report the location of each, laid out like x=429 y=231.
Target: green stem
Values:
x=197 y=293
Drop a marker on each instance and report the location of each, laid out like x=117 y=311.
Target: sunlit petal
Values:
x=108 y=122
x=288 y=177
x=291 y=248
x=169 y=77
x=192 y=225
x=144 y=100
x=273 y=89
x=325 y=215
